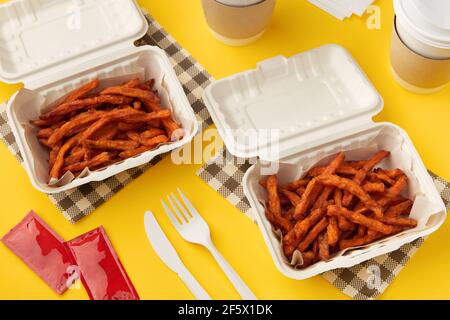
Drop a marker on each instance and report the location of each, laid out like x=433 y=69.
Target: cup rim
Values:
x=242 y=6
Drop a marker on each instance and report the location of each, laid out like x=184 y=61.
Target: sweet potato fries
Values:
x=94 y=129
x=339 y=206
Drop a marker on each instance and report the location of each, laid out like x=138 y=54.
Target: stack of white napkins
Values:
x=342 y=9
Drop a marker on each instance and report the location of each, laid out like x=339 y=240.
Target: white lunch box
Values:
x=316 y=103
x=54 y=47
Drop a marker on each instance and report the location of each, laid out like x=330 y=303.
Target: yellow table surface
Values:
x=296 y=26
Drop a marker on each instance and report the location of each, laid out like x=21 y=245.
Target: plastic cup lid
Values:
x=429 y=20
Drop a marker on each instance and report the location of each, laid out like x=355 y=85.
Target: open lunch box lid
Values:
x=287 y=105
x=38 y=37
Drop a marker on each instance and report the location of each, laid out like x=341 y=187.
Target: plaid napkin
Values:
x=363 y=281
x=78 y=203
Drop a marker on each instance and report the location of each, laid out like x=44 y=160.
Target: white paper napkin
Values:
x=342 y=9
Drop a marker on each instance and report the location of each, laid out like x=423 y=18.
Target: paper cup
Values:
x=420 y=49
x=415 y=72
x=238 y=22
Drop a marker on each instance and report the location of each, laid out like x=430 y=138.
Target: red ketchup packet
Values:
x=102 y=273
x=43 y=251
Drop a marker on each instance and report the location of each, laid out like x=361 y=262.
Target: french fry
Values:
x=310 y=192
x=106 y=133
x=75 y=157
x=399 y=209
x=45 y=133
x=338 y=197
x=68 y=127
x=294 y=236
x=174 y=130
x=119 y=145
x=308 y=258
x=82 y=92
x=360 y=219
x=151 y=133
x=136 y=93
x=353 y=188
x=333 y=231
x=46 y=123
x=374 y=187
x=345 y=225
x=273 y=198
x=280 y=222
x=88 y=103
x=293 y=197
x=147 y=117
x=394 y=191
x=152 y=103
x=361 y=231
x=324 y=250
x=370 y=237
x=313 y=234
x=133 y=135
x=95 y=162
x=151 y=143
x=362 y=174
x=393 y=174
x=133 y=153
x=107 y=118
x=323 y=198
x=400 y=221
x=343 y=169
x=156 y=141
x=53 y=154
x=125 y=127
x=358 y=242
x=55 y=172
x=295 y=185
x=315 y=249
x=133 y=83
x=313 y=190
x=381 y=177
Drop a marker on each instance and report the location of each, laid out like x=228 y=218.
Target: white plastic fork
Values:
x=194 y=229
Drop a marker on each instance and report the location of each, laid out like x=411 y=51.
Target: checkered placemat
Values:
x=364 y=281
x=77 y=203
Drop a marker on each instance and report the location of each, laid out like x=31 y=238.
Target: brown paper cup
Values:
x=415 y=72
x=235 y=25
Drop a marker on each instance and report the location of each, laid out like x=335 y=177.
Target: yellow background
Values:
x=296 y=26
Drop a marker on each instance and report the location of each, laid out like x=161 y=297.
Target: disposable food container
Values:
x=305 y=109
x=54 y=47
